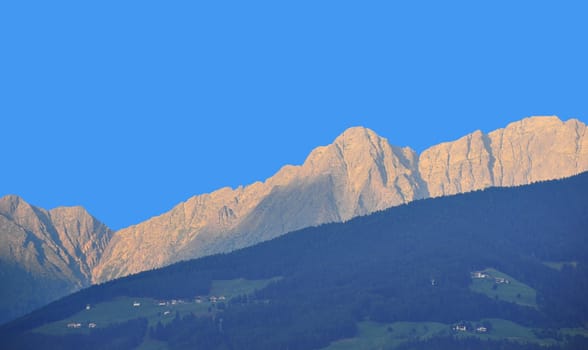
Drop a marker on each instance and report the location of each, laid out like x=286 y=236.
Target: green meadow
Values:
x=123 y=309
x=377 y=336
x=372 y=335
x=514 y=291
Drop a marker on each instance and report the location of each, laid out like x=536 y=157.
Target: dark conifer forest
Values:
x=409 y=263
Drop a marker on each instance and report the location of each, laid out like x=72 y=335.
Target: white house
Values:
x=479 y=274
x=460 y=328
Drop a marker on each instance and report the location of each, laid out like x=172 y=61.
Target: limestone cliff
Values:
x=359 y=173
x=530 y=150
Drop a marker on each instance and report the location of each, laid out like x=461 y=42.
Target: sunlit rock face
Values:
x=537 y=149
x=359 y=173
x=530 y=150
x=459 y=166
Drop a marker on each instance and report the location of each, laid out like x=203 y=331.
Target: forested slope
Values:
x=409 y=263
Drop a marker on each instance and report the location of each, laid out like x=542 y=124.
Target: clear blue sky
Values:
x=129 y=107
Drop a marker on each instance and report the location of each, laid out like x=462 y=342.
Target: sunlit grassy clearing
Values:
x=514 y=292
x=374 y=336
x=121 y=309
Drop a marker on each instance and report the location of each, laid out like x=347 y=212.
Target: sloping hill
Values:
x=409 y=263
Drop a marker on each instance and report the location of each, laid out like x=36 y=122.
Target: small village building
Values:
x=460 y=328
x=479 y=274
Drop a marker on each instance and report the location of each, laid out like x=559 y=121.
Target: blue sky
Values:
x=128 y=107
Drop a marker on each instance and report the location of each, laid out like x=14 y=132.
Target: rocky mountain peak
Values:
x=358 y=173
x=357 y=137
x=532 y=149
x=9 y=199
x=537 y=149
x=535 y=123
x=10 y=204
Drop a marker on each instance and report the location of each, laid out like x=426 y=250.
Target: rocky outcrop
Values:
x=45 y=254
x=527 y=151
x=456 y=167
x=537 y=149
x=359 y=173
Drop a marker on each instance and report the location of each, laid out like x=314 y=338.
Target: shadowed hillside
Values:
x=410 y=263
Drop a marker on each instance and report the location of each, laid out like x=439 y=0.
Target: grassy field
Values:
x=514 y=292
x=575 y=331
x=375 y=336
x=371 y=335
x=504 y=329
x=122 y=309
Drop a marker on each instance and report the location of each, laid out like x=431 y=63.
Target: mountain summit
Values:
x=359 y=173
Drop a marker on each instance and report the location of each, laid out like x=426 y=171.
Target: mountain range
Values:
x=500 y=268
x=359 y=173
